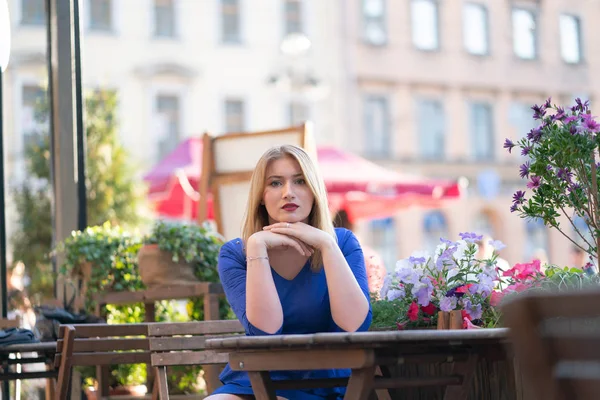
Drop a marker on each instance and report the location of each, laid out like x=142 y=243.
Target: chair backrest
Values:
x=227 y=165
x=184 y=343
x=556 y=339
x=102 y=344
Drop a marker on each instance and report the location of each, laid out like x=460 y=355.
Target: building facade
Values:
x=438 y=87
x=421 y=86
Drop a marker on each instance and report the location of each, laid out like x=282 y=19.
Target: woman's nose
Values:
x=288 y=191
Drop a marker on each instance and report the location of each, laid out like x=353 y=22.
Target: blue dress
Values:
x=306 y=309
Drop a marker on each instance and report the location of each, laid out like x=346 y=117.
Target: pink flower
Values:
x=496 y=298
x=429 y=309
x=523 y=271
x=469 y=325
x=413 y=312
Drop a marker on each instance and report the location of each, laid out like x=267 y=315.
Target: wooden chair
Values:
x=227 y=164
x=556 y=339
x=184 y=344
x=98 y=345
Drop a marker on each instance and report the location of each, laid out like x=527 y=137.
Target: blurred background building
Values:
x=419 y=86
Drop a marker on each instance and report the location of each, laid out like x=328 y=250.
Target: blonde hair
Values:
x=256 y=216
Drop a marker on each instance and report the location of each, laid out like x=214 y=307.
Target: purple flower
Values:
x=535 y=182
x=538 y=111
x=514 y=207
x=519 y=197
x=570 y=119
x=560 y=114
x=549 y=168
x=573 y=130
x=564 y=174
x=387 y=281
x=573 y=187
x=589 y=123
x=416 y=260
x=448 y=304
x=535 y=134
x=470 y=237
x=453 y=293
x=485 y=285
x=474 y=310
x=423 y=291
x=548 y=102
x=446 y=241
x=508 y=144
x=394 y=293
x=524 y=170
x=581 y=106
x=525 y=150
x=497 y=244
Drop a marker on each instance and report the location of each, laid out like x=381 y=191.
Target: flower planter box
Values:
x=158 y=269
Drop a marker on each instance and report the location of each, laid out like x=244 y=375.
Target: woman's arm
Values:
x=349 y=303
x=263 y=307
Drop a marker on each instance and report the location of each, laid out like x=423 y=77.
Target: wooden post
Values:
x=443 y=321
x=149 y=316
x=456 y=321
x=211 y=312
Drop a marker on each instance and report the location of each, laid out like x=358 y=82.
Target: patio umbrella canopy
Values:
x=364 y=189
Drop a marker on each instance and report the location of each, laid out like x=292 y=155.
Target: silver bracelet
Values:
x=248 y=259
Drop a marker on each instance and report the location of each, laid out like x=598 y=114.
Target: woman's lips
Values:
x=290 y=208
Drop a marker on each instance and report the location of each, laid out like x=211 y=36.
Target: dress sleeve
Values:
x=354 y=256
x=232 y=272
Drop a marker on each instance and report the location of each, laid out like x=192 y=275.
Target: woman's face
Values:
x=286 y=195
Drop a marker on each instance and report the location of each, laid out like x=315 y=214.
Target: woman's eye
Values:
x=300 y=181
x=275 y=183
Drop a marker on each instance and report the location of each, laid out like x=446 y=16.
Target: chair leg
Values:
x=155 y=388
x=163 y=385
x=64 y=373
x=360 y=384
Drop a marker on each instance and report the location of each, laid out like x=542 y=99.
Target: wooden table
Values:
x=44 y=353
x=363 y=353
x=208 y=290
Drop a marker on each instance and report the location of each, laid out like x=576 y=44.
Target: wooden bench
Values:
x=184 y=344
x=98 y=345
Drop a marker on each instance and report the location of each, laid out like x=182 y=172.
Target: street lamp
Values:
x=4 y=56
x=295 y=78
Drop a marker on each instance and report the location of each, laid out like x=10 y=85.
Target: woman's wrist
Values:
x=255 y=248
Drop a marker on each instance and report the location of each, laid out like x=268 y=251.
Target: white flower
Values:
x=461 y=250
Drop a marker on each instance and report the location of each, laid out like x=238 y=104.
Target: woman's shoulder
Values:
x=345 y=237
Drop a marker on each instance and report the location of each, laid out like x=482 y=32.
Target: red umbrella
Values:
x=364 y=189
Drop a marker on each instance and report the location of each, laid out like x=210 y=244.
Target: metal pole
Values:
x=2 y=212
x=81 y=136
x=5 y=385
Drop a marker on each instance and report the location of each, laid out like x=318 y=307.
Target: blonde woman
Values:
x=292 y=272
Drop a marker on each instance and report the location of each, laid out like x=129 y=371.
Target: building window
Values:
x=33 y=12
x=536 y=244
x=164 y=18
x=570 y=39
x=230 y=21
x=430 y=128
x=32 y=122
x=524 y=33
x=235 y=116
x=101 y=15
x=293 y=16
x=475 y=29
x=521 y=118
x=377 y=127
x=168 y=112
x=481 y=127
x=383 y=236
x=298 y=113
x=374 y=26
x=424 y=22
x=435 y=227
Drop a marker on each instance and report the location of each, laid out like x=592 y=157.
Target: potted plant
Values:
x=562 y=172
x=177 y=253
x=99 y=259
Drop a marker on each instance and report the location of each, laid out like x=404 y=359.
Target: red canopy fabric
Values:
x=364 y=189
